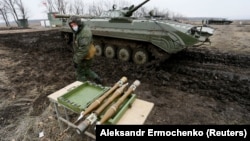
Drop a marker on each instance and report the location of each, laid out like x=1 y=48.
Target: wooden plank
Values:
x=137 y=114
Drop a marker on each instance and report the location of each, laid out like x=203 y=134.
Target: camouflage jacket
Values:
x=82 y=41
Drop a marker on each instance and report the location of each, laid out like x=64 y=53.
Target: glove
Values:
x=91 y=53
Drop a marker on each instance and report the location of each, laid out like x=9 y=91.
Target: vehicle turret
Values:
x=129 y=12
x=124 y=12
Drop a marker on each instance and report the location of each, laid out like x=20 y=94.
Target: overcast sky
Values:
x=231 y=9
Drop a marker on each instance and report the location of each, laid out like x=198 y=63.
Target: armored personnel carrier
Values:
x=217 y=21
x=118 y=35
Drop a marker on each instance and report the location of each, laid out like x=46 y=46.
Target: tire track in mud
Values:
x=220 y=75
x=211 y=86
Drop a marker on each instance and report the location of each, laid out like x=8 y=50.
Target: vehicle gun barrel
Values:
x=61 y=16
x=131 y=11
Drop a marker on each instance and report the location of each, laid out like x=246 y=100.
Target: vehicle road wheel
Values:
x=99 y=50
x=109 y=52
x=140 y=56
x=124 y=54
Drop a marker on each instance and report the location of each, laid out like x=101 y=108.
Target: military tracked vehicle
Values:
x=120 y=36
x=217 y=21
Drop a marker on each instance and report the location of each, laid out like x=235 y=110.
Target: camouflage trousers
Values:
x=83 y=71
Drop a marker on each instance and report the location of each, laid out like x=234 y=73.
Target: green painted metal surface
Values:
x=80 y=97
x=54 y=21
x=22 y=23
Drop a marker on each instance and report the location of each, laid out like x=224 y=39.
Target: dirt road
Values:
x=204 y=85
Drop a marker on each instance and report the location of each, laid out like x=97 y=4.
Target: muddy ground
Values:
x=201 y=85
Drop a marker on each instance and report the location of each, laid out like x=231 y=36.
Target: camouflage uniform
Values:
x=81 y=44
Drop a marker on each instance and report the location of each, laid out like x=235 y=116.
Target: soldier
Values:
x=84 y=50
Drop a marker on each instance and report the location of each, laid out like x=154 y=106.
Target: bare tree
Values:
x=49 y=5
x=95 y=9
x=141 y=12
x=78 y=7
x=10 y=5
x=61 y=6
x=164 y=13
x=15 y=8
x=4 y=13
x=22 y=10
